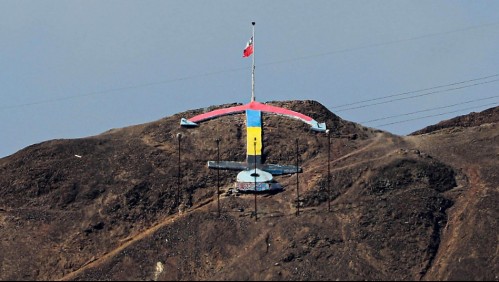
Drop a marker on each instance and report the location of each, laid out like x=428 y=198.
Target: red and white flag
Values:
x=248 y=50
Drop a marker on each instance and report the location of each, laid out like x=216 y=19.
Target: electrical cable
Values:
x=441 y=114
x=381 y=44
x=427 y=110
x=239 y=69
x=117 y=89
x=414 y=91
x=417 y=96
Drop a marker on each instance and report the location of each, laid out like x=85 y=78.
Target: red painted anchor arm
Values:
x=253 y=106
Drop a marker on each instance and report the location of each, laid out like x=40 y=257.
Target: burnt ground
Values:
x=470 y=120
x=107 y=207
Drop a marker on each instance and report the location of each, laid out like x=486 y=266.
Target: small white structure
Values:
x=256 y=180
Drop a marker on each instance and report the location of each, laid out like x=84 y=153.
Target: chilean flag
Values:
x=248 y=50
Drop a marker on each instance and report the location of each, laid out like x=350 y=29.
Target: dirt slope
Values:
x=421 y=207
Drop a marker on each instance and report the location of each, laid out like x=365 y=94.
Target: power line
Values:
x=382 y=44
x=243 y=68
x=417 y=96
x=415 y=91
x=441 y=114
x=427 y=110
x=118 y=89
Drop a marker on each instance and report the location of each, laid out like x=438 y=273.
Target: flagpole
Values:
x=253 y=67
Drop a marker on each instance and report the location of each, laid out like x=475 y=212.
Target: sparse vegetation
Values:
x=419 y=207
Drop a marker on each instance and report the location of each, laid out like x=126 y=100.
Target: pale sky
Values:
x=72 y=69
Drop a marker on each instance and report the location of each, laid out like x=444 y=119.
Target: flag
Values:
x=248 y=50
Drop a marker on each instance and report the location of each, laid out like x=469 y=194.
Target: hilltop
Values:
x=418 y=207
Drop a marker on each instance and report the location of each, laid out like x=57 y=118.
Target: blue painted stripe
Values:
x=253 y=118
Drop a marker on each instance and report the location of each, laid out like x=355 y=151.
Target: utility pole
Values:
x=218 y=175
x=256 y=214
x=297 y=183
x=328 y=170
x=179 y=138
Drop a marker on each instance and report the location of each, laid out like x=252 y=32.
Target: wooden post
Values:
x=297 y=183
x=328 y=170
x=256 y=215
x=179 y=138
x=218 y=175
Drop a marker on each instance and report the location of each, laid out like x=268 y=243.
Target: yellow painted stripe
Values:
x=252 y=133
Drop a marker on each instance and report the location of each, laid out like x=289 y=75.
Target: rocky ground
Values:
x=113 y=207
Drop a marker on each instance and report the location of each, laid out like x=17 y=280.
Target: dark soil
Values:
x=114 y=206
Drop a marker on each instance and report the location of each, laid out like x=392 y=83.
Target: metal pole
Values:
x=179 y=137
x=297 y=182
x=328 y=170
x=256 y=215
x=218 y=175
x=253 y=66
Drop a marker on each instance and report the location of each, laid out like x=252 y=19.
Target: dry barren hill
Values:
x=418 y=207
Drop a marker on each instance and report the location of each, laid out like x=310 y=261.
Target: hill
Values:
x=473 y=119
x=418 y=207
